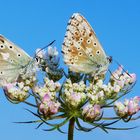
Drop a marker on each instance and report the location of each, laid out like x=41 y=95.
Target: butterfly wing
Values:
x=82 y=51
x=12 y=61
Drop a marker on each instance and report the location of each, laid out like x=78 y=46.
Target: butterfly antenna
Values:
x=46 y=46
x=122 y=67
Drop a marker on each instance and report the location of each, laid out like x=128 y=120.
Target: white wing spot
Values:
x=88 y=41
x=2 y=47
x=1 y=73
x=94 y=44
x=80 y=53
x=81 y=39
x=79 y=42
x=18 y=54
x=11 y=61
x=78 y=48
x=11 y=47
x=90 y=54
x=97 y=52
x=76 y=33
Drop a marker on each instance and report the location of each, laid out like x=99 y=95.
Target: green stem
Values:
x=71 y=128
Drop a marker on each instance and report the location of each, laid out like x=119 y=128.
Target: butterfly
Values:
x=14 y=62
x=82 y=51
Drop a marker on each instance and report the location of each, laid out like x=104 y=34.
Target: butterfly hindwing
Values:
x=82 y=50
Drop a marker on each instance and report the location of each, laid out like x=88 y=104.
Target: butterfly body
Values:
x=14 y=62
x=83 y=52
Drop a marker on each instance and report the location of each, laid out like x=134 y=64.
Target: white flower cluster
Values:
x=99 y=92
x=128 y=108
x=96 y=93
x=49 y=62
x=49 y=57
x=16 y=92
x=50 y=87
x=74 y=93
x=48 y=106
x=122 y=79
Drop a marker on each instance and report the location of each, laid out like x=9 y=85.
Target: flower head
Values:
x=91 y=112
x=128 y=108
x=49 y=62
x=74 y=94
x=122 y=79
x=49 y=86
x=15 y=94
x=48 y=106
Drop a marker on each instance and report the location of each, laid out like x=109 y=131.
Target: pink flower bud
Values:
x=48 y=107
x=133 y=105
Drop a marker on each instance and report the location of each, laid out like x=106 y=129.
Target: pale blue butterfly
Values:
x=15 y=63
x=82 y=51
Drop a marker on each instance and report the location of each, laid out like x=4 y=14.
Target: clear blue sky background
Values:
x=34 y=23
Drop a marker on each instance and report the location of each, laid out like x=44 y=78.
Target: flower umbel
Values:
x=81 y=97
x=48 y=106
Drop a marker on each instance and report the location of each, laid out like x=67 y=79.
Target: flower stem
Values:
x=71 y=128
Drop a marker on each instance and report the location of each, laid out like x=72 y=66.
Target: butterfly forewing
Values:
x=82 y=50
x=14 y=52
x=13 y=60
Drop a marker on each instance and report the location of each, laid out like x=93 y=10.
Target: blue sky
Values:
x=34 y=23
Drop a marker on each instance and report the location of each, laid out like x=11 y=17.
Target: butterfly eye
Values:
x=37 y=60
x=98 y=52
x=88 y=41
x=109 y=58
